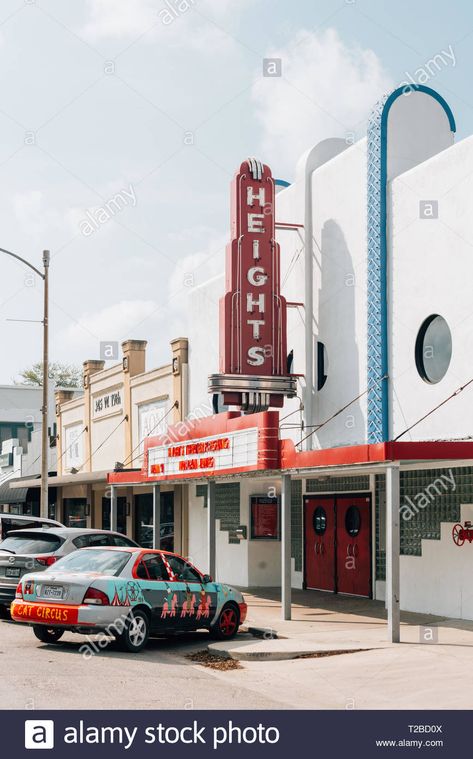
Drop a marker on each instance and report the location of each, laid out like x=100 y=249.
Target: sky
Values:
x=123 y=121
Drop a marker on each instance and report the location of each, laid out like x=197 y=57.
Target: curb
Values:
x=267 y=633
x=241 y=655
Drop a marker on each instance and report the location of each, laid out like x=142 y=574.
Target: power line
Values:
x=439 y=405
x=70 y=444
x=129 y=458
x=125 y=419
x=317 y=427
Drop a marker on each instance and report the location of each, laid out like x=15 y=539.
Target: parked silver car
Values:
x=36 y=549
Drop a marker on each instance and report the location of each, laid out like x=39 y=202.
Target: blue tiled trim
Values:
x=378 y=410
x=281 y=183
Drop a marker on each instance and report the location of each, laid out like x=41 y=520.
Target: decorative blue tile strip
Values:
x=378 y=368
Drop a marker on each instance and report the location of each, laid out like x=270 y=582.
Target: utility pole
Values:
x=44 y=410
x=44 y=275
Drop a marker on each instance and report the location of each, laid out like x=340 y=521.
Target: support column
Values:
x=156 y=516
x=286 y=546
x=113 y=508
x=211 y=528
x=392 y=553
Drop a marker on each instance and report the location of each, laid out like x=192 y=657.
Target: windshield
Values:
x=31 y=543
x=105 y=562
x=12 y=523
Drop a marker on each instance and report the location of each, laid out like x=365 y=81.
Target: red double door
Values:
x=338 y=544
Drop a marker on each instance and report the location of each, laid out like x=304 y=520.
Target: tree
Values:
x=61 y=375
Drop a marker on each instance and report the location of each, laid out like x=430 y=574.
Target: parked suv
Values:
x=36 y=549
x=9 y=522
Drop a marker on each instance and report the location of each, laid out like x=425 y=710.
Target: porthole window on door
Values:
x=353 y=521
x=320 y=520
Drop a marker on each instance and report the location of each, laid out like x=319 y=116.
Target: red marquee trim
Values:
x=282 y=455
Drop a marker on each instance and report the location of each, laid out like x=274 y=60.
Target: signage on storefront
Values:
x=235 y=450
x=264 y=512
x=226 y=443
x=107 y=403
x=73 y=446
x=253 y=351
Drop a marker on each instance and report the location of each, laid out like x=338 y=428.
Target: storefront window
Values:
x=264 y=518
x=75 y=512
x=121 y=514
x=144 y=521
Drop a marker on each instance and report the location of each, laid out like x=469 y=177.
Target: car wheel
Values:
x=4 y=612
x=136 y=633
x=48 y=634
x=227 y=624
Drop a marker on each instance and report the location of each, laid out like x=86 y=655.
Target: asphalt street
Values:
x=39 y=676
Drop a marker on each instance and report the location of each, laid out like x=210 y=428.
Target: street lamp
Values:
x=44 y=409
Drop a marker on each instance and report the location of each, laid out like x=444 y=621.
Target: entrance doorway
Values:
x=337 y=543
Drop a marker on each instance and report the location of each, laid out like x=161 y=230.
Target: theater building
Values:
x=338 y=345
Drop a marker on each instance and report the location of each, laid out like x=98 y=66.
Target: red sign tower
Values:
x=253 y=351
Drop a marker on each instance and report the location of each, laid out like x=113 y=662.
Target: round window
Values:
x=320 y=520
x=353 y=521
x=433 y=349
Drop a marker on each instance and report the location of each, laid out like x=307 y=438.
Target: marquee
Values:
x=223 y=444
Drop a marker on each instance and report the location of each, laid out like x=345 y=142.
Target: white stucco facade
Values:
x=428 y=270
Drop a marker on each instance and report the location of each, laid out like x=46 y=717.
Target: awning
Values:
x=81 y=478
x=12 y=496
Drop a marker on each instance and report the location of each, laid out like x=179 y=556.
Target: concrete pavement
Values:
x=405 y=676
x=323 y=622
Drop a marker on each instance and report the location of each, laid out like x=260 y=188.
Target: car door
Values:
x=197 y=601
x=153 y=573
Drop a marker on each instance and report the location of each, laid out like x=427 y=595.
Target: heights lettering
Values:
x=253 y=347
x=253 y=310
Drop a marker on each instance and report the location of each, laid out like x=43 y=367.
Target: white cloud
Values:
x=141 y=319
x=122 y=19
x=190 y=272
x=36 y=213
x=196 y=268
x=327 y=88
x=118 y=322
x=117 y=19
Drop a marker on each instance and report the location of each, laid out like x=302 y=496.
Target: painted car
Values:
x=130 y=593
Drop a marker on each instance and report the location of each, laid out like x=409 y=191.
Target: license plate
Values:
x=12 y=572
x=52 y=591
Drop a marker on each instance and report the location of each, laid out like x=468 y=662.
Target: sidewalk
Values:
x=323 y=622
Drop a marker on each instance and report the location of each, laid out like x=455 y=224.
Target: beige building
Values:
x=103 y=427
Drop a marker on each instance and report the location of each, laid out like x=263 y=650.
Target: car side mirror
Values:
x=206 y=579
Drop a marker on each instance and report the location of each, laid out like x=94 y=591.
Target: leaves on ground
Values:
x=206 y=659
x=320 y=654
